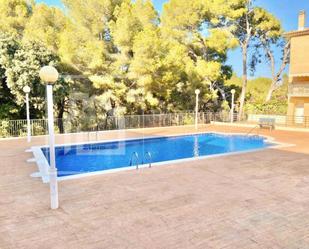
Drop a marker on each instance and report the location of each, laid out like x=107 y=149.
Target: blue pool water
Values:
x=77 y=159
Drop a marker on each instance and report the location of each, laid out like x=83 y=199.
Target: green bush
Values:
x=4 y=129
x=188 y=119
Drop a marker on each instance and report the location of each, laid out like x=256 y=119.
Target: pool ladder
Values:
x=136 y=157
x=148 y=154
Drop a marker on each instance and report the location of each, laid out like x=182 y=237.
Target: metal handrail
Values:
x=251 y=130
x=149 y=157
x=134 y=154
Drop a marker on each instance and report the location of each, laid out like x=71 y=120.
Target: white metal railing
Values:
x=18 y=128
x=299 y=90
x=281 y=120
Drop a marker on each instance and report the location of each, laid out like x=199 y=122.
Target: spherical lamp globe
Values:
x=26 y=89
x=233 y=91
x=49 y=75
x=197 y=91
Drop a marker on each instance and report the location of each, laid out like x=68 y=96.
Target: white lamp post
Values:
x=197 y=92
x=26 y=90
x=233 y=105
x=50 y=75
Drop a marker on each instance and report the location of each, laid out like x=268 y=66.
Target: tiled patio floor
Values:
x=253 y=200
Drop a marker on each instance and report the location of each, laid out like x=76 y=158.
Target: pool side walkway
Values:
x=253 y=200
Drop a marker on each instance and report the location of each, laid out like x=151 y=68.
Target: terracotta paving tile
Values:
x=253 y=200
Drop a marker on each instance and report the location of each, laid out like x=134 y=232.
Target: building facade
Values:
x=298 y=106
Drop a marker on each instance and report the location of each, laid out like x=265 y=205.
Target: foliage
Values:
x=20 y=64
x=247 y=23
x=14 y=15
x=203 y=54
x=45 y=26
x=270 y=38
x=4 y=128
x=188 y=119
x=121 y=57
x=257 y=92
x=8 y=107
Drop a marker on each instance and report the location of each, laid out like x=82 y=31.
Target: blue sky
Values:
x=285 y=10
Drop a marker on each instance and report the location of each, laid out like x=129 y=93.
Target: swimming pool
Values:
x=122 y=154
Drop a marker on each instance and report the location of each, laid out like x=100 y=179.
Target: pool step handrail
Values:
x=251 y=130
x=148 y=154
x=96 y=135
x=134 y=154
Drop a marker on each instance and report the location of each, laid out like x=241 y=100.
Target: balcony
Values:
x=299 y=90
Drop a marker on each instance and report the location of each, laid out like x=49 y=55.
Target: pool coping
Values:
x=43 y=165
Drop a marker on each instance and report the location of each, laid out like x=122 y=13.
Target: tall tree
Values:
x=20 y=64
x=45 y=26
x=127 y=58
x=187 y=24
x=247 y=23
x=284 y=46
x=93 y=14
x=8 y=106
x=240 y=20
x=14 y=15
x=81 y=50
x=270 y=40
x=137 y=20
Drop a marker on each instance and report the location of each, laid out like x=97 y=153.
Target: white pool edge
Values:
x=43 y=164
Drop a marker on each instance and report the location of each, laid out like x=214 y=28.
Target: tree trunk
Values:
x=60 y=117
x=276 y=76
x=244 y=81
x=272 y=88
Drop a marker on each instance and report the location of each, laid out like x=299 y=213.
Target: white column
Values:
x=28 y=119
x=196 y=112
x=196 y=147
x=52 y=170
